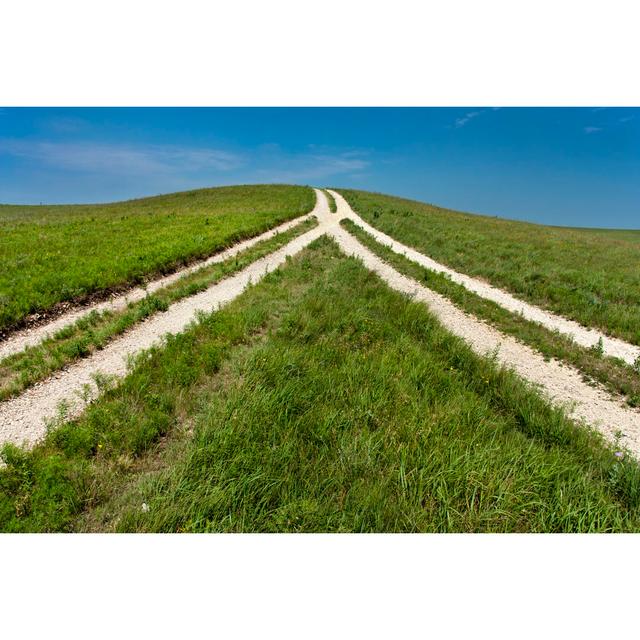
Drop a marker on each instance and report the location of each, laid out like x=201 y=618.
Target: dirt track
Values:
x=23 y=419
x=561 y=384
x=30 y=337
x=581 y=335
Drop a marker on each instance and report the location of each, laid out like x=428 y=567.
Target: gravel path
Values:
x=562 y=385
x=581 y=335
x=23 y=420
x=20 y=340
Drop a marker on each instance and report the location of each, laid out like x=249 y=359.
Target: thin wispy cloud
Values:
x=592 y=129
x=460 y=122
x=467 y=117
x=314 y=165
x=120 y=158
x=171 y=164
x=627 y=119
x=66 y=125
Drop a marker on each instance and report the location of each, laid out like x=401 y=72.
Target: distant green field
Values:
x=589 y=275
x=51 y=254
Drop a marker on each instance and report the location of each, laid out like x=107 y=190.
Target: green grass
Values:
x=320 y=400
x=333 y=208
x=53 y=254
x=613 y=373
x=96 y=330
x=588 y=275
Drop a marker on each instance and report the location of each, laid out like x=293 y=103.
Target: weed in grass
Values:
x=598 y=348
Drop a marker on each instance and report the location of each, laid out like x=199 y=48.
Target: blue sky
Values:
x=565 y=166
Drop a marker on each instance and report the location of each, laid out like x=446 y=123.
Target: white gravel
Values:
x=23 y=420
x=581 y=335
x=20 y=340
x=562 y=385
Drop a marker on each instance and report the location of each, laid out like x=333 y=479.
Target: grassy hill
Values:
x=589 y=275
x=51 y=254
x=319 y=399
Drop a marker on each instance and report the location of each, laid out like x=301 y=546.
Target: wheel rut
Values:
x=24 y=419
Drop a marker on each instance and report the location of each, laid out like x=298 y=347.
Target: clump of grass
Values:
x=333 y=207
x=95 y=330
x=53 y=254
x=589 y=275
x=320 y=400
x=613 y=373
x=598 y=348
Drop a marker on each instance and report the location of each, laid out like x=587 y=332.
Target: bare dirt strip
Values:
x=20 y=340
x=562 y=385
x=581 y=335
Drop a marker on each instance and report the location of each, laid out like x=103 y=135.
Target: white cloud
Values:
x=460 y=122
x=592 y=129
x=120 y=158
x=66 y=124
x=310 y=166
x=169 y=164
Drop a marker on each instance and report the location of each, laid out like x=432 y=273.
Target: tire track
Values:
x=23 y=419
x=583 y=336
x=30 y=337
x=562 y=385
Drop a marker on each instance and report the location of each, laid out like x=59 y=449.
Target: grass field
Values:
x=320 y=400
x=591 y=276
x=53 y=254
x=613 y=373
x=95 y=330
